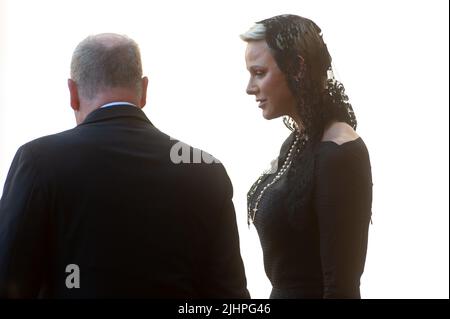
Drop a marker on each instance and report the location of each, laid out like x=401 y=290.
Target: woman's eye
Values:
x=259 y=72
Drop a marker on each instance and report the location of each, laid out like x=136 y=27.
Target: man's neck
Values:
x=104 y=97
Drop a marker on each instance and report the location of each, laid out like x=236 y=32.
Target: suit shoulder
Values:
x=44 y=146
x=49 y=139
x=198 y=164
x=184 y=153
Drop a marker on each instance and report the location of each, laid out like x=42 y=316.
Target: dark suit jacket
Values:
x=107 y=197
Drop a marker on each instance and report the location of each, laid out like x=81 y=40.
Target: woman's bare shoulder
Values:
x=339 y=133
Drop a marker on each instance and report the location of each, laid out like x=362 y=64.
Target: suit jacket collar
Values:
x=115 y=112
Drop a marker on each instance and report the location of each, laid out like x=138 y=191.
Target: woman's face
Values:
x=267 y=83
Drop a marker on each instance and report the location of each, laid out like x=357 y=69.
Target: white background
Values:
x=392 y=56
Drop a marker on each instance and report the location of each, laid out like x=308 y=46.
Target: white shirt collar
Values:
x=117 y=103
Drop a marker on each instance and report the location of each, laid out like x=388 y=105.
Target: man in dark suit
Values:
x=112 y=208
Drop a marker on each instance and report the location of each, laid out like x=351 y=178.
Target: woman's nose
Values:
x=251 y=88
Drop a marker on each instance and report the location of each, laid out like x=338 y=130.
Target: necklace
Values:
x=251 y=212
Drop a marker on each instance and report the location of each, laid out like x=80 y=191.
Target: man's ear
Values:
x=143 y=100
x=74 y=96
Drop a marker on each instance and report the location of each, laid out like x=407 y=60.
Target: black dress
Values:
x=320 y=253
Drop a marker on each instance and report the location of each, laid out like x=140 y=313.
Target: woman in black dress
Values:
x=312 y=211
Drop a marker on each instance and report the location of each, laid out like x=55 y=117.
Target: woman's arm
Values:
x=342 y=200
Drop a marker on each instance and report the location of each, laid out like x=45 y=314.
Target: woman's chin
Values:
x=269 y=115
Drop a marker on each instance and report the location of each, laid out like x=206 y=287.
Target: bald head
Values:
x=106 y=61
x=105 y=68
x=110 y=39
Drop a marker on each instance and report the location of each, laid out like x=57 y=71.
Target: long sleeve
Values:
x=343 y=204
x=224 y=274
x=23 y=232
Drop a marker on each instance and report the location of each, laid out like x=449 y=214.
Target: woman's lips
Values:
x=262 y=103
